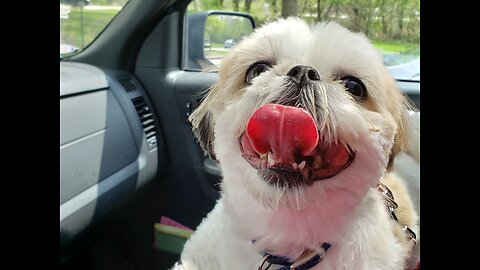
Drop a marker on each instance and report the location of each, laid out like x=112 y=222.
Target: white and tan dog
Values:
x=306 y=123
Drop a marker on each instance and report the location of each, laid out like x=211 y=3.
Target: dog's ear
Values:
x=407 y=137
x=203 y=123
x=413 y=146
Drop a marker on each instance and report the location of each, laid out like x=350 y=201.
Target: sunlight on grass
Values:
x=393 y=46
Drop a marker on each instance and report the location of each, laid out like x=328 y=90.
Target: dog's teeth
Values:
x=264 y=156
x=302 y=165
x=271 y=162
x=295 y=165
x=317 y=162
x=263 y=164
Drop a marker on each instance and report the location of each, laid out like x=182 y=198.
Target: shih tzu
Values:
x=306 y=123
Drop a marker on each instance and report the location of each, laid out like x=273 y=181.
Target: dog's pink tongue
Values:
x=283 y=131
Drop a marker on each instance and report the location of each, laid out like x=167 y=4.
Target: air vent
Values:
x=128 y=85
x=146 y=117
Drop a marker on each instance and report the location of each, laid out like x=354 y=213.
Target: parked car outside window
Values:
x=229 y=43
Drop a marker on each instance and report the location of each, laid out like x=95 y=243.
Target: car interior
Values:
x=127 y=152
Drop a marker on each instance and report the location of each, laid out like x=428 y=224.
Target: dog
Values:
x=305 y=122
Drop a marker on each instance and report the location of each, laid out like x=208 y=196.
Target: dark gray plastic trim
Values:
x=212 y=167
x=101 y=121
x=94 y=192
x=78 y=77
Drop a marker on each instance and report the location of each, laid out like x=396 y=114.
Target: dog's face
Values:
x=299 y=111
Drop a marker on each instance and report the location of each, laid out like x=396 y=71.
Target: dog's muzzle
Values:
x=285 y=146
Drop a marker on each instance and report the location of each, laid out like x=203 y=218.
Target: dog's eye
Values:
x=255 y=70
x=355 y=86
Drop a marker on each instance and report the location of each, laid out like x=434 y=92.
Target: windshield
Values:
x=81 y=21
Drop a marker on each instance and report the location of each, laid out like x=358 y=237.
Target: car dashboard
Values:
x=110 y=145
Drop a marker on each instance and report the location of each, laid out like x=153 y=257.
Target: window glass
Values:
x=392 y=25
x=222 y=33
x=82 y=20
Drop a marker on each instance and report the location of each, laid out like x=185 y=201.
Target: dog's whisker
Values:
x=326 y=124
x=305 y=198
x=296 y=198
x=264 y=191
x=278 y=198
x=372 y=126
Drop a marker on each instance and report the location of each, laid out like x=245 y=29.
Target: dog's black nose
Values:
x=304 y=74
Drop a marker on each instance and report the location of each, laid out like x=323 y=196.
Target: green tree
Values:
x=212 y=4
x=289 y=8
x=379 y=19
x=236 y=4
x=215 y=29
x=75 y=3
x=323 y=9
x=248 y=3
x=361 y=14
x=273 y=4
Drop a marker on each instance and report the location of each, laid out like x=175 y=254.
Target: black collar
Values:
x=307 y=260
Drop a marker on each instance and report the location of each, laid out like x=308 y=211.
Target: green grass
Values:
x=393 y=45
x=94 y=21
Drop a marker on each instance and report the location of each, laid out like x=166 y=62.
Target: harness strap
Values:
x=306 y=261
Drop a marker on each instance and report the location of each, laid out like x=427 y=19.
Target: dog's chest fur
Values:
x=366 y=240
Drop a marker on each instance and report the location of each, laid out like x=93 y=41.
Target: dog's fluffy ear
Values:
x=413 y=147
x=408 y=130
x=203 y=123
x=402 y=136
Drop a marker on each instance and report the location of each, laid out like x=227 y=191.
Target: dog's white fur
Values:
x=345 y=210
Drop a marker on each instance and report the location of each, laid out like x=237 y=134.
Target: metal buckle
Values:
x=390 y=202
x=391 y=206
x=384 y=190
x=387 y=195
x=410 y=232
x=412 y=236
x=264 y=260
x=392 y=214
x=304 y=258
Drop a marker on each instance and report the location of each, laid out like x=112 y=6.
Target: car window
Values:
x=222 y=33
x=404 y=65
x=392 y=26
x=81 y=21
